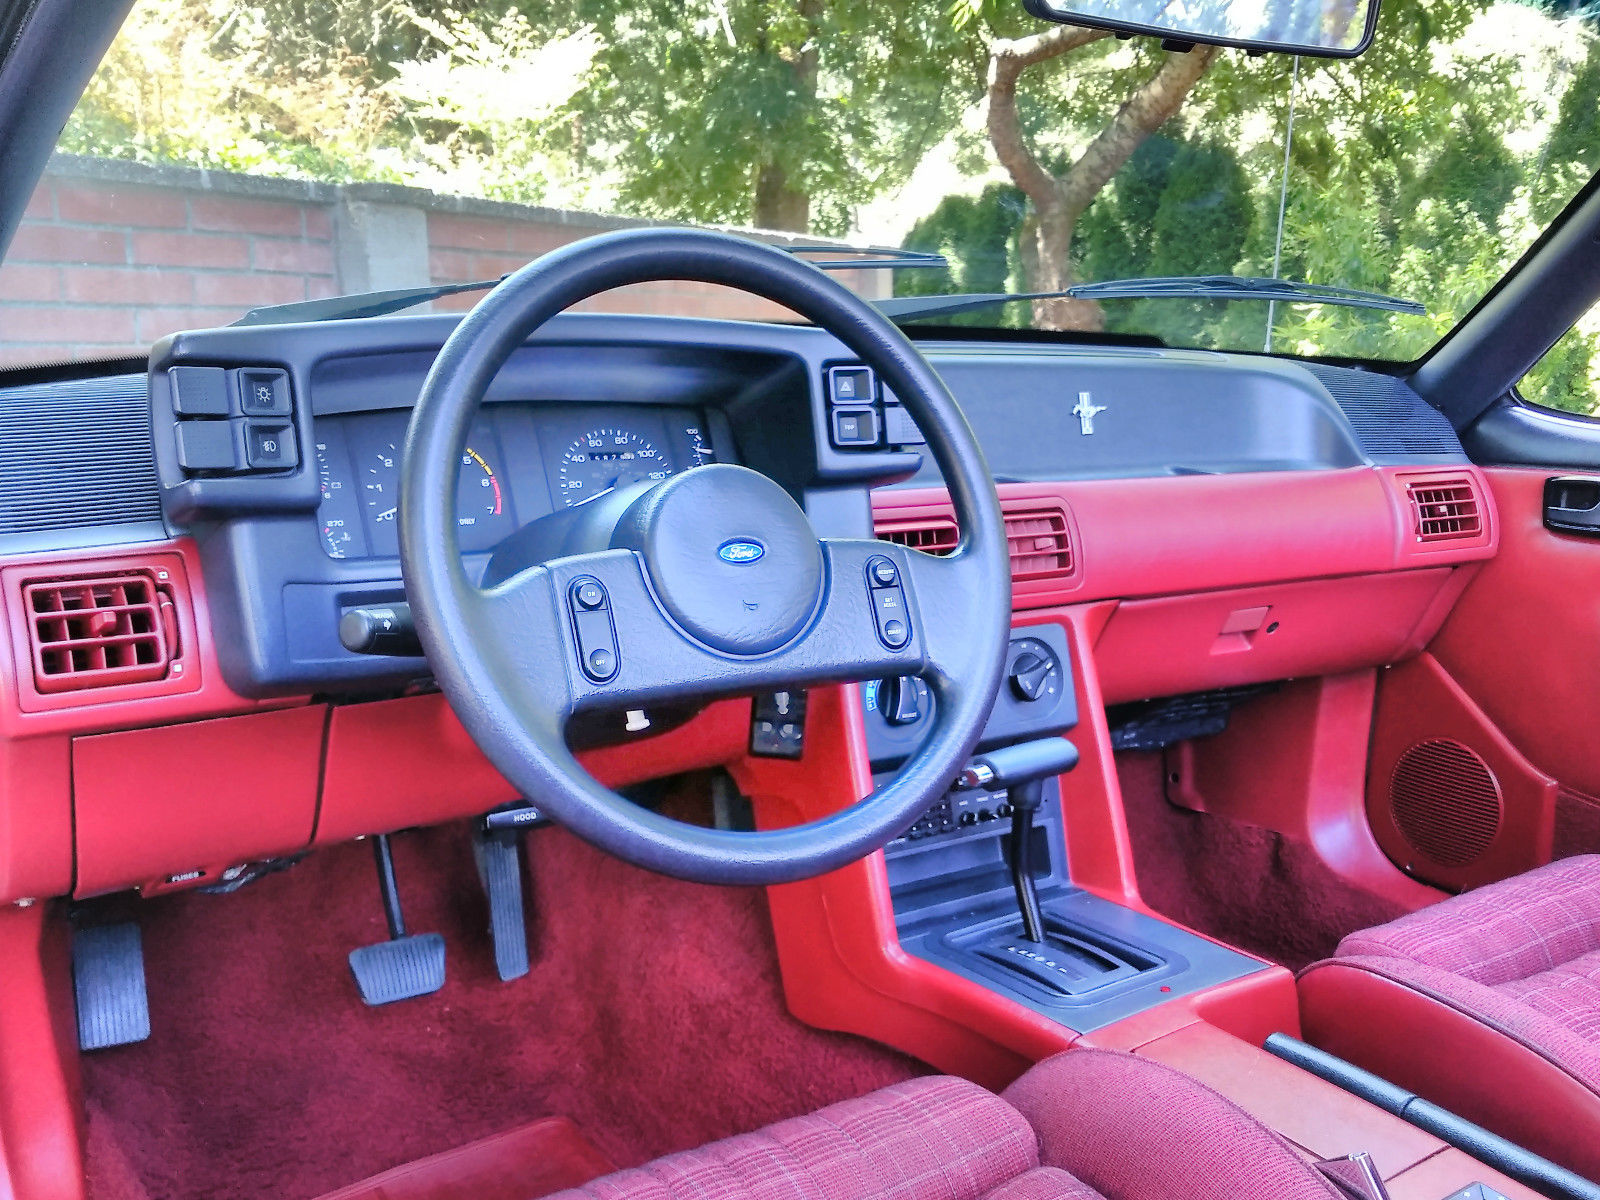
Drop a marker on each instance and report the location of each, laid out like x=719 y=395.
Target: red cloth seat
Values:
x=1487 y=1003
x=1084 y=1125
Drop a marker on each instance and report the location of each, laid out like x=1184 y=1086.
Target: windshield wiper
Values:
x=903 y=309
x=359 y=304
x=393 y=300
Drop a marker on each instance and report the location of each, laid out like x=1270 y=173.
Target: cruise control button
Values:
x=591 y=624
x=894 y=632
x=883 y=572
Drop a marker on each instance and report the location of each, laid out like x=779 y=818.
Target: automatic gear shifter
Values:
x=1021 y=770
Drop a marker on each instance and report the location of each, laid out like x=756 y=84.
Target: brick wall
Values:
x=112 y=256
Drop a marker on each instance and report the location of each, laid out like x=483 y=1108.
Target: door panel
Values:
x=1512 y=681
x=1524 y=639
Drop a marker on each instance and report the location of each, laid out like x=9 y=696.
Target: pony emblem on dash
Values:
x=1086 y=410
x=740 y=551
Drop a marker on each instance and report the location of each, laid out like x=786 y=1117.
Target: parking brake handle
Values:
x=1021 y=771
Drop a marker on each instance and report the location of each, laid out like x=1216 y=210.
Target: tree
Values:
x=785 y=114
x=1060 y=199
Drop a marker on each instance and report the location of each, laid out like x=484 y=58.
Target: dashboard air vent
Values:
x=1038 y=537
x=99 y=631
x=935 y=535
x=1445 y=509
x=1040 y=544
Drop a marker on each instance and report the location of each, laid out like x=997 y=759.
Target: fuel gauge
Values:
x=339 y=512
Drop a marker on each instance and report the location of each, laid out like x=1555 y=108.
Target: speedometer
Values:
x=606 y=458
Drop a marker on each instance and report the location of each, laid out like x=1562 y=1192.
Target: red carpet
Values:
x=1248 y=886
x=653 y=1018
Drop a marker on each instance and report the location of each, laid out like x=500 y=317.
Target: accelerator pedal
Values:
x=405 y=966
x=495 y=848
x=108 y=983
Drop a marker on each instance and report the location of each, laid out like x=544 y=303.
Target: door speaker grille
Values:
x=1446 y=802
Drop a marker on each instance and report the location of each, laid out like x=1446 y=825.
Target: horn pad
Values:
x=731 y=556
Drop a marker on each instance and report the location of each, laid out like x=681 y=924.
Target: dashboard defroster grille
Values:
x=76 y=454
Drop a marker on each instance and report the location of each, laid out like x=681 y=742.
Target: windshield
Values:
x=229 y=155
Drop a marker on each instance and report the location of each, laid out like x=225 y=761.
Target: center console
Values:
x=950 y=875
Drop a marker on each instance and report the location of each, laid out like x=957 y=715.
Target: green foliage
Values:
x=839 y=99
x=1423 y=168
x=1565 y=378
x=978 y=238
x=1573 y=152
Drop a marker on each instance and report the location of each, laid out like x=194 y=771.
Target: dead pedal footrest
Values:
x=108 y=984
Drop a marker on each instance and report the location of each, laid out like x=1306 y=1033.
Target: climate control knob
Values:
x=1033 y=671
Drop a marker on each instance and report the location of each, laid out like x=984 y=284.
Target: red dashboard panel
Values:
x=37 y=729
x=1193 y=533
x=149 y=803
x=394 y=763
x=1177 y=644
x=1207 y=580
x=1523 y=641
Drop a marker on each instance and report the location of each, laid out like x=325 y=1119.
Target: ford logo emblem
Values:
x=740 y=551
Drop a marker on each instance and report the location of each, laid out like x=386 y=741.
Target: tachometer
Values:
x=481 y=511
x=380 y=486
x=478 y=496
x=607 y=458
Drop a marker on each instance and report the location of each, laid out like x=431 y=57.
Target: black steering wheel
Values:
x=709 y=583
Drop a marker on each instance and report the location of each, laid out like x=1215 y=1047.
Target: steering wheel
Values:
x=709 y=583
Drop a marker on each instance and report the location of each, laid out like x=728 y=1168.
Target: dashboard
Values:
x=1209 y=520
x=521 y=462
x=277 y=450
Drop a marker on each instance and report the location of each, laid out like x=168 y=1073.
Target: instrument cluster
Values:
x=521 y=462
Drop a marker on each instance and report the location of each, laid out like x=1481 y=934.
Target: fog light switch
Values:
x=270 y=445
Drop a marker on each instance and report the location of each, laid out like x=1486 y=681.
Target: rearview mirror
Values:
x=1319 y=28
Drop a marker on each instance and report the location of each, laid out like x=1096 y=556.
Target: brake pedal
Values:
x=108 y=984
x=405 y=966
x=494 y=848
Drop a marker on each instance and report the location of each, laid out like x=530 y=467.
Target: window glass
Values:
x=235 y=153
x=1568 y=376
